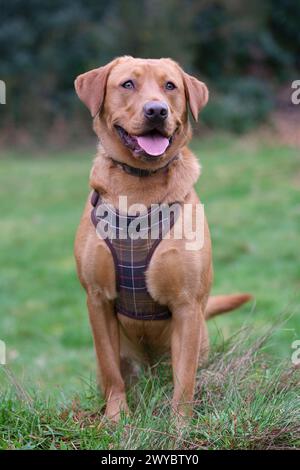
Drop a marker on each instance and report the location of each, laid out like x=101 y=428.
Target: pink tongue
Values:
x=153 y=144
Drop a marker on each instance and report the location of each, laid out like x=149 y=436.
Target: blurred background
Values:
x=247 y=142
x=248 y=52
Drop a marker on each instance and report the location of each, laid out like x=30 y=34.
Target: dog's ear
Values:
x=197 y=94
x=90 y=88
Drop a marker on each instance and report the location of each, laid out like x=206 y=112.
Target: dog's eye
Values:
x=170 y=86
x=128 y=84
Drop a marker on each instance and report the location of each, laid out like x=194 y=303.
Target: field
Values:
x=247 y=397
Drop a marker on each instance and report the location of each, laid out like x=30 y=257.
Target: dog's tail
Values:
x=225 y=303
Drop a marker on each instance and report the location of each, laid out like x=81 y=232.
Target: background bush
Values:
x=45 y=45
x=239 y=105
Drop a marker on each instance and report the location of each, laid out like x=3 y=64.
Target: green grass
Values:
x=252 y=201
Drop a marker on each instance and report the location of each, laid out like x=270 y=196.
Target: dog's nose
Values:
x=156 y=111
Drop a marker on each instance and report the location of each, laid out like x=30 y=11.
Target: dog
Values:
x=140 y=110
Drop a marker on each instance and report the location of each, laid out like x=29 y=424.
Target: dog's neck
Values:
x=173 y=184
x=144 y=172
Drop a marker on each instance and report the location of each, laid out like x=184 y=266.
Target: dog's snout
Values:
x=156 y=111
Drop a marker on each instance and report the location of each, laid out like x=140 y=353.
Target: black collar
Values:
x=142 y=172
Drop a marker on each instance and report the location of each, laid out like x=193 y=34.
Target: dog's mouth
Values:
x=151 y=144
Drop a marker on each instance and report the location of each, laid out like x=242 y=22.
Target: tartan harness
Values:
x=132 y=256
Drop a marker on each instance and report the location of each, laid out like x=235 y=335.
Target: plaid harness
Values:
x=132 y=255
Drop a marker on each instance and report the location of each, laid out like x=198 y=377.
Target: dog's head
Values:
x=140 y=106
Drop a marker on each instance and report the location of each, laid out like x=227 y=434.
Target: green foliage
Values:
x=284 y=23
x=45 y=45
x=239 y=105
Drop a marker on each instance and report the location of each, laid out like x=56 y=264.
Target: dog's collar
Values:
x=142 y=172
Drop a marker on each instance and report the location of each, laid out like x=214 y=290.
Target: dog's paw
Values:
x=115 y=408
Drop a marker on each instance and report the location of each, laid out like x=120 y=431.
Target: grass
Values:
x=247 y=397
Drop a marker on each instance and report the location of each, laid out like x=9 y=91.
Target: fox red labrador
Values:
x=147 y=290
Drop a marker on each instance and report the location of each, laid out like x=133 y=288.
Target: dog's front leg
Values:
x=189 y=340
x=105 y=329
